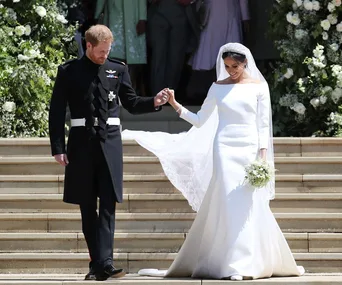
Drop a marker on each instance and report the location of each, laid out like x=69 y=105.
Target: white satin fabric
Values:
x=235 y=232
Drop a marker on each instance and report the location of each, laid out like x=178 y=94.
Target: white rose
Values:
x=315 y=5
x=339 y=27
x=8 y=106
x=298 y=2
x=332 y=19
x=289 y=73
x=16 y=1
x=326 y=89
x=19 y=30
x=334 y=47
x=331 y=7
x=336 y=94
x=289 y=17
x=295 y=19
x=41 y=11
x=337 y=3
x=314 y=102
x=325 y=36
x=61 y=19
x=1 y=6
x=308 y=5
x=27 y=30
x=325 y=24
x=323 y=99
x=22 y=57
x=298 y=108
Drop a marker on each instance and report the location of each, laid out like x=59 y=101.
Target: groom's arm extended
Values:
x=136 y=104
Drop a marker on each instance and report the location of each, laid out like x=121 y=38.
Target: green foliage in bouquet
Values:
x=34 y=40
x=307 y=82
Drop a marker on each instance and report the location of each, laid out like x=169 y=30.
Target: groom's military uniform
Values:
x=94 y=148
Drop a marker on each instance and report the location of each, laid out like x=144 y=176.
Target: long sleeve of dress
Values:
x=204 y=113
x=264 y=105
x=244 y=10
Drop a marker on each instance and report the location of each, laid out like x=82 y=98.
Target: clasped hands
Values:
x=163 y=97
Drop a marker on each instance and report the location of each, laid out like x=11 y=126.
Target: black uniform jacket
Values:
x=72 y=85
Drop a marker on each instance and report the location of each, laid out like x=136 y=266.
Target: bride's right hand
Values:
x=172 y=99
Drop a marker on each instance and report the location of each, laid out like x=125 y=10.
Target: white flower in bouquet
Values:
x=331 y=7
x=298 y=2
x=308 y=5
x=300 y=33
x=61 y=19
x=325 y=24
x=259 y=173
x=289 y=73
x=325 y=36
x=332 y=18
x=41 y=11
x=315 y=102
x=8 y=106
x=27 y=30
x=323 y=99
x=334 y=46
x=336 y=94
x=298 y=108
x=316 y=6
x=326 y=90
x=339 y=27
x=337 y=3
x=19 y=30
x=288 y=100
x=293 y=18
x=16 y=1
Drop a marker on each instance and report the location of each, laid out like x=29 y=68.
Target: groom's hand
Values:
x=161 y=98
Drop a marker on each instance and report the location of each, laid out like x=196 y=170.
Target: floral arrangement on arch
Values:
x=35 y=39
x=307 y=82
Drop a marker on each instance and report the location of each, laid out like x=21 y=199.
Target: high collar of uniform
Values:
x=90 y=63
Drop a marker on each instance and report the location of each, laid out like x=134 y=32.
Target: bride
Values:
x=235 y=234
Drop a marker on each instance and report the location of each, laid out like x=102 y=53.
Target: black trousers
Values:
x=98 y=227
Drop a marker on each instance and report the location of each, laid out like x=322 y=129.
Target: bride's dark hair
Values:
x=234 y=55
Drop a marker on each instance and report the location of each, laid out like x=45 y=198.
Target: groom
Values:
x=91 y=87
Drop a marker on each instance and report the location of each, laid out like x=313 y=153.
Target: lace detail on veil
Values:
x=186 y=158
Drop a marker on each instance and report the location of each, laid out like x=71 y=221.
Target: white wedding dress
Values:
x=235 y=232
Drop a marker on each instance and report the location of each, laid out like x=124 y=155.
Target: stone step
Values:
x=53 y=184
x=158 y=222
x=284 y=146
x=150 y=165
x=168 y=203
x=124 y=242
x=159 y=184
x=77 y=263
x=134 y=279
x=149 y=242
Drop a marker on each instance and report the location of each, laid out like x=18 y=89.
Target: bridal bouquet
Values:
x=259 y=173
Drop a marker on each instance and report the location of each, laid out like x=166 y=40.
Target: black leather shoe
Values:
x=90 y=275
x=110 y=272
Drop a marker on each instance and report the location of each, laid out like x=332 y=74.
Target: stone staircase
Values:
x=40 y=236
